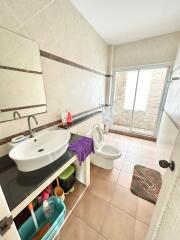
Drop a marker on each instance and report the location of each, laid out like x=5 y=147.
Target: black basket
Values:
x=68 y=183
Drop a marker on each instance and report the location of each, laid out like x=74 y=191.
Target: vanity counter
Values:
x=18 y=186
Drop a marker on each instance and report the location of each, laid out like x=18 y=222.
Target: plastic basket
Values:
x=27 y=230
x=67 y=178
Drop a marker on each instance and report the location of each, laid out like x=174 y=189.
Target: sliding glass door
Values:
x=125 y=90
x=137 y=99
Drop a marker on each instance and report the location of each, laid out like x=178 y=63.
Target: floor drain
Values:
x=41 y=150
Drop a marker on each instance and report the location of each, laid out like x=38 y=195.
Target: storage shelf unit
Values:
x=49 y=175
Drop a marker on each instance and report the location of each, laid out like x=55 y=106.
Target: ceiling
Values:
x=122 y=21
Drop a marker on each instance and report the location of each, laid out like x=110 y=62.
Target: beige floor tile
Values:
x=118 y=225
x=128 y=168
x=118 y=163
x=151 y=164
x=145 y=211
x=134 y=158
x=79 y=188
x=125 y=179
x=141 y=230
x=149 y=143
x=149 y=161
x=124 y=200
x=92 y=210
x=109 y=175
x=123 y=148
x=125 y=138
x=137 y=140
x=75 y=228
x=100 y=237
x=149 y=152
x=94 y=170
x=102 y=188
x=135 y=148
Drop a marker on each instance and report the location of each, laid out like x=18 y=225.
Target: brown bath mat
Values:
x=146 y=183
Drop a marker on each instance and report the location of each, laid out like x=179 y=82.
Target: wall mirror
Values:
x=21 y=81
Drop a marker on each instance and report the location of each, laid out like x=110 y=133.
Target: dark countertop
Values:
x=18 y=185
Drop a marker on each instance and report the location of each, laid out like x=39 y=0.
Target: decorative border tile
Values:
x=70 y=63
x=19 y=69
x=23 y=107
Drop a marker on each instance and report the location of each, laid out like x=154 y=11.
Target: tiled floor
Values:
x=108 y=210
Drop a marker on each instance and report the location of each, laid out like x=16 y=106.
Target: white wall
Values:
x=172 y=105
x=166 y=138
x=168 y=130
x=177 y=61
x=159 y=49
x=59 y=29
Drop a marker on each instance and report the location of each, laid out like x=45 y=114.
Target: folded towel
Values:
x=83 y=148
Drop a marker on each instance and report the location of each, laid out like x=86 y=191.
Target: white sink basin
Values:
x=41 y=150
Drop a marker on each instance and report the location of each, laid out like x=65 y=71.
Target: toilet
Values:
x=105 y=154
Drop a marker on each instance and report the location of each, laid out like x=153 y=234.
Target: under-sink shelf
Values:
x=71 y=200
x=29 y=186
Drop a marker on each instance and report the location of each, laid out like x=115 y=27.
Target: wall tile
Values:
x=60 y=29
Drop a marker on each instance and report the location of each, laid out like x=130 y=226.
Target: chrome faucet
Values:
x=16 y=113
x=29 y=125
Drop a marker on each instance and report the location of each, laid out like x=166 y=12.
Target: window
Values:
x=130 y=89
x=143 y=87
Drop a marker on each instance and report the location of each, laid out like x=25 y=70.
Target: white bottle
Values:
x=64 y=117
x=48 y=208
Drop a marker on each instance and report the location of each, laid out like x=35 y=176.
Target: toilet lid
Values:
x=98 y=136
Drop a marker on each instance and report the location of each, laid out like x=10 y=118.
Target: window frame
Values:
x=168 y=65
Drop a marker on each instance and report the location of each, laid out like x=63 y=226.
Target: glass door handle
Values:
x=166 y=164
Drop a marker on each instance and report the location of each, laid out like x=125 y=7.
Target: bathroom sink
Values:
x=41 y=150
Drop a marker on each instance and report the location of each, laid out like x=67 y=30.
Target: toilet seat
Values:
x=104 y=153
x=98 y=137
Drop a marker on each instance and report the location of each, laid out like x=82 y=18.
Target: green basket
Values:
x=67 y=178
x=67 y=172
x=27 y=230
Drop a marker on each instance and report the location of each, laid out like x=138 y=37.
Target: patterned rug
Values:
x=146 y=183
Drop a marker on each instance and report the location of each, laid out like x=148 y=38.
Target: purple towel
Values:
x=83 y=147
